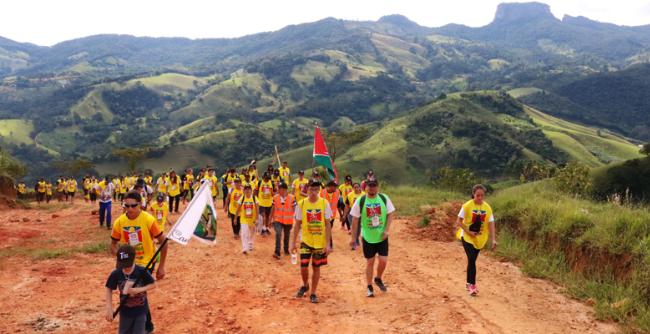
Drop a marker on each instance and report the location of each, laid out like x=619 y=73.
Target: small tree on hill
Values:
x=133 y=156
x=73 y=167
x=574 y=178
x=645 y=150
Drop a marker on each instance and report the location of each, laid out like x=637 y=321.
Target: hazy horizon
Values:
x=72 y=19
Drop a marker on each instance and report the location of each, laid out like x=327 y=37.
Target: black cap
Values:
x=160 y=198
x=372 y=180
x=332 y=183
x=237 y=180
x=301 y=172
x=314 y=174
x=348 y=178
x=314 y=184
x=276 y=172
x=371 y=172
x=125 y=256
x=141 y=181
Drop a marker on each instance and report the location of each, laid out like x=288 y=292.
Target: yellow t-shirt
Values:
x=159 y=213
x=471 y=211
x=214 y=184
x=72 y=186
x=248 y=213
x=313 y=223
x=266 y=194
x=41 y=187
x=253 y=175
x=345 y=190
x=21 y=188
x=148 y=180
x=59 y=185
x=189 y=179
x=48 y=189
x=87 y=183
x=285 y=172
x=235 y=195
x=352 y=197
x=140 y=233
x=276 y=181
x=162 y=185
x=174 y=186
x=228 y=179
x=123 y=187
x=298 y=185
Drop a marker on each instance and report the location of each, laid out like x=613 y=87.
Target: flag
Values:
x=199 y=219
x=322 y=157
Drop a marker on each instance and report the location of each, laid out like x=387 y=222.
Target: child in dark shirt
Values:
x=133 y=314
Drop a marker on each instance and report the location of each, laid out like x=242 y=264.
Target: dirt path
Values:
x=216 y=289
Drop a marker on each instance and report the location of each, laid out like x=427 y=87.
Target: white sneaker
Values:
x=250 y=248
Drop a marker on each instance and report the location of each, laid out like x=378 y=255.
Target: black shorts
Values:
x=265 y=210
x=370 y=250
x=307 y=253
x=85 y=191
x=71 y=194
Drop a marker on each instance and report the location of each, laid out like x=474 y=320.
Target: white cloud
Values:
x=46 y=22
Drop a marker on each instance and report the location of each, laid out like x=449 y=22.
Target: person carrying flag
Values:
x=311 y=221
x=374 y=211
x=139 y=229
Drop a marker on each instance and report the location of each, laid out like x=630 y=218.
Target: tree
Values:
x=12 y=167
x=574 y=178
x=338 y=141
x=73 y=167
x=645 y=150
x=133 y=156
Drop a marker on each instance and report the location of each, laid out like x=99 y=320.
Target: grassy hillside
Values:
x=172 y=83
x=178 y=157
x=16 y=131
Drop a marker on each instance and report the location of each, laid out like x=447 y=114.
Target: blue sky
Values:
x=49 y=22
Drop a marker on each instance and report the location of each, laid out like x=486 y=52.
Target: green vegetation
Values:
x=16 y=131
x=595 y=250
x=409 y=200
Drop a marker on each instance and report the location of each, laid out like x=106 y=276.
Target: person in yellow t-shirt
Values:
x=471 y=220
x=265 y=192
x=244 y=173
x=40 y=191
x=252 y=172
x=60 y=188
x=214 y=188
x=285 y=173
x=139 y=229
x=21 y=190
x=162 y=184
x=232 y=203
x=48 y=191
x=159 y=210
x=123 y=188
x=188 y=182
x=72 y=188
x=349 y=202
x=86 y=185
x=148 y=179
x=247 y=211
x=345 y=189
x=298 y=185
x=174 y=191
x=276 y=179
x=312 y=217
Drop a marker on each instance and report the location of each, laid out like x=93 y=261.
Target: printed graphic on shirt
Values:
x=483 y=215
x=133 y=301
x=373 y=212
x=133 y=236
x=315 y=221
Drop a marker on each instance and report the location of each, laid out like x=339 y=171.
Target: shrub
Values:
x=574 y=178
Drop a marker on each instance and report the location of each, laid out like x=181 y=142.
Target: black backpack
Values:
x=362 y=200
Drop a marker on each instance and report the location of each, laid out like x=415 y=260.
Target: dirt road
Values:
x=216 y=289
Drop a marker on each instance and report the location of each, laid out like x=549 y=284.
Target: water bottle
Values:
x=294 y=258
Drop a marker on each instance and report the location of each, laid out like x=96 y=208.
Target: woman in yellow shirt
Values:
x=349 y=202
x=48 y=191
x=174 y=186
x=471 y=220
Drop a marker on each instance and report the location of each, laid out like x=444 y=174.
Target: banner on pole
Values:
x=322 y=157
x=199 y=219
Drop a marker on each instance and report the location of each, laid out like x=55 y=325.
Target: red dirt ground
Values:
x=216 y=289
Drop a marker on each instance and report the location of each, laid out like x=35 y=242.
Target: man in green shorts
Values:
x=374 y=211
x=312 y=217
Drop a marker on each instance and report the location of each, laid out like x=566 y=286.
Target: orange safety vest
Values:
x=283 y=214
x=332 y=199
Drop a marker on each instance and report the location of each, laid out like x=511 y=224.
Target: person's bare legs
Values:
x=370 y=266
x=314 y=279
x=383 y=261
x=304 y=272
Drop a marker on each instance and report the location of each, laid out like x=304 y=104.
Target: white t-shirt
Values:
x=356 y=211
x=461 y=214
x=144 y=193
x=106 y=194
x=298 y=212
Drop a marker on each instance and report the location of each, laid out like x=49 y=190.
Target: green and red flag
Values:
x=322 y=157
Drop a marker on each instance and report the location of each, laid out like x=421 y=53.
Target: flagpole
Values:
x=313 y=156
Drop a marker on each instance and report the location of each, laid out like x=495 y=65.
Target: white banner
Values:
x=199 y=220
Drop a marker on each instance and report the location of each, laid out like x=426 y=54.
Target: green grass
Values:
x=497 y=64
x=96 y=247
x=83 y=66
x=305 y=73
x=394 y=52
x=172 y=83
x=546 y=231
x=16 y=131
x=409 y=200
x=574 y=148
x=178 y=157
x=518 y=92
x=92 y=104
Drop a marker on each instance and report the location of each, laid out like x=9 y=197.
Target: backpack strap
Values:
x=382 y=197
x=362 y=201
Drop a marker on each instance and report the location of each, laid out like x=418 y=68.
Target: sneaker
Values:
x=358 y=243
x=276 y=255
x=370 y=292
x=349 y=232
x=472 y=290
x=343 y=228
x=467 y=285
x=108 y=228
x=250 y=248
x=287 y=252
x=331 y=249
x=313 y=299
x=380 y=284
x=301 y=292
x=354 y=247
x=245 y=252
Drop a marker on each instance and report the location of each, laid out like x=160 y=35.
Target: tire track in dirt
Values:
x=216 y=289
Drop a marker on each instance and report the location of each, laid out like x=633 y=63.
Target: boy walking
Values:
x=284 y=205
x=133 y=315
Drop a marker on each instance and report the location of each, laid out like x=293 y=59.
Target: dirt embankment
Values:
x=217 y=289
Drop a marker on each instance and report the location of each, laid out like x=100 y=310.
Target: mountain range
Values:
x=231 y=100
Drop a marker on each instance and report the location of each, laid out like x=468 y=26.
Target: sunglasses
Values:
x=130 y=205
